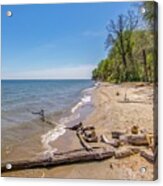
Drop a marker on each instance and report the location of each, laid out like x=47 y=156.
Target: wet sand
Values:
x=110 y=113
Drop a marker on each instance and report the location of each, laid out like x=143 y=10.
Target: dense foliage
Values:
x=131 y=55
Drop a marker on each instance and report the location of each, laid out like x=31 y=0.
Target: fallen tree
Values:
x=76 y=156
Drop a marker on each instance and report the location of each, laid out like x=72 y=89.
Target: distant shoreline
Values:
x=46 y=79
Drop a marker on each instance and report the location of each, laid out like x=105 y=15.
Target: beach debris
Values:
x=113 y=142
x=41 y=113
x=44 y=119
x=122 y=153
x=135 y=129
x=126 y=100
x=111 y=165
x=76 y=156
x=148 y=155
x=133 y=143
x=117 y=134
x=135 y=150
x=51 y=123
x=140 y=139
x=85 y=134
x=82 y=141
x=89 y=134
x=76 y=127
x=144 y=131
x=117 y=93
x=123 y=139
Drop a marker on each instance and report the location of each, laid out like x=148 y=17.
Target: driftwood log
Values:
x=149 y=155
x=82 y=141
x=138 y=140
x=123 y=153
x=117 y=134
x=75 y=156
x=89 y=134
x=76 y=127
x=113 y=142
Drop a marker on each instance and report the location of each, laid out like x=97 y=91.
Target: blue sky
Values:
x=55 y=41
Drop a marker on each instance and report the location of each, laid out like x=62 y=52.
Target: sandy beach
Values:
x=111 y=113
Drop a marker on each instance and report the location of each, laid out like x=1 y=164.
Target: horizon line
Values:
x=48 y=79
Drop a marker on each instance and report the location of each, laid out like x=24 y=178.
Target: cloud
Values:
x=78 y=72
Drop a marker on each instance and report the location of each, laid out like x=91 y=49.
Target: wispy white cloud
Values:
x=78 y=72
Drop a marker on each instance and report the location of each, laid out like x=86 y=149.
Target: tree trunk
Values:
x=123 y=53
x=145 y=65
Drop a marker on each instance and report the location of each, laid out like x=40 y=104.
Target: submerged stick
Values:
x=61 y=159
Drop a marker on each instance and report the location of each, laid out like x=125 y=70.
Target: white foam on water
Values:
x=54 y=134
x=79 y=104
x=59 y=130
x=88 y=90
x=84 y=100
x=50 y=136
x=69 y=118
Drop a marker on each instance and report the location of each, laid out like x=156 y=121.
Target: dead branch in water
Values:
x=62 y=159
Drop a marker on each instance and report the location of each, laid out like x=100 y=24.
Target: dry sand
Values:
x=110 y=113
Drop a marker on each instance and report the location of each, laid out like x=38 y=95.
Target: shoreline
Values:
x=42 y=135
x=110 y=114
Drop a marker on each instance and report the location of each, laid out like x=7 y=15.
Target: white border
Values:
x=5 y=2
x=70 y=182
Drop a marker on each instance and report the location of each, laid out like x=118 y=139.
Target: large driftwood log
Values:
x=75 y=156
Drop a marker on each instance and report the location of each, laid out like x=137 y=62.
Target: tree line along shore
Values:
x=132 y=47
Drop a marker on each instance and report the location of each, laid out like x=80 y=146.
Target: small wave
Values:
x=50 y=136
x=59 y=130
x=89 y=90
x=70 y=118
x=54 y=134
x=84 y=100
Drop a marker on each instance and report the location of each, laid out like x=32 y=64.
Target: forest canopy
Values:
x=132 y=47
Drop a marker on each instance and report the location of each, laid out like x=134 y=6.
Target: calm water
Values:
x=24 y=135
x=21 y=97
